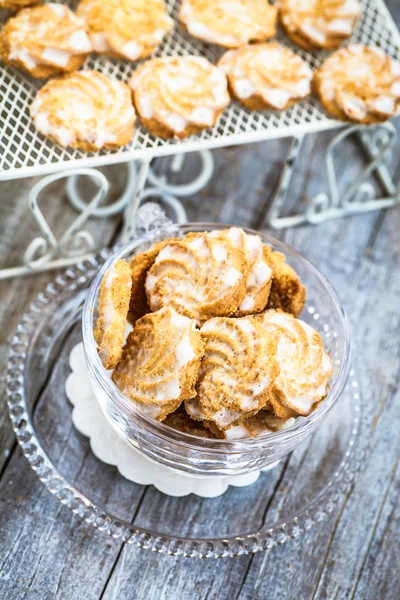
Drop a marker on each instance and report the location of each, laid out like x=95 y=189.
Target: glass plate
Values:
x=282 y=504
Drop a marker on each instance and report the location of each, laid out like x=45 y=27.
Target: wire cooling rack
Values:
x=24 y=152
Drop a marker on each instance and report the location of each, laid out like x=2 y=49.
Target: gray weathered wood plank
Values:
x=351 y=555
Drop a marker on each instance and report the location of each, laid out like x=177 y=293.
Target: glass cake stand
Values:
x=281 y=505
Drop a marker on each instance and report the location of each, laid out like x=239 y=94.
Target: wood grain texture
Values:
x=46 y=553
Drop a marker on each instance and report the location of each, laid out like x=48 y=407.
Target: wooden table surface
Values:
x=354 y=553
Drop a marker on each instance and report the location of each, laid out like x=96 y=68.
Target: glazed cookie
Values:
x=319 y=23
x=140 y=265
x=45 y=40
x=200 y=276
x=237 y=373
x=179 y=96
x=229 y=23
x=115 y=294
x=266 y=76
x=130 y=29
x=359 y=84
x=263 y=423
x=259 y=274
x=160 y=362
x=287 y=292
x=17 y=4
x=85 y=110
x=180 y=421
x=305 y=367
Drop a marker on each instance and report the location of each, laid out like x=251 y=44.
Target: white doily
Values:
x=89 y=419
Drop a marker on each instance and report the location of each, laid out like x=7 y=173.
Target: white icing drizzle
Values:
x=358 y=79
x=82 y=119
x=159 y=86
x=305 y=366
x=268 y=70
x=33 y=44
x=166 y=386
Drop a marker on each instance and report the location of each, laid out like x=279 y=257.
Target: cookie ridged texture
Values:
x=178 y=96
x=130 y=29
x=263 y=423
x=229 y=23
x=266 y=76
x=160 y=362
x=259 y=274
x=115 y=293
x=237 y=372
x=287 y=292
x=200 y=276
x=85 y=110
x=319 y=23
x=305 y=367
x=359 y=84
x=45 y=40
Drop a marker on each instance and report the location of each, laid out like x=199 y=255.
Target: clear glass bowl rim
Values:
x=190 y=441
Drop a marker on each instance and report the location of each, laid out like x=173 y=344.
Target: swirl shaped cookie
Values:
x=305 y=367
x=264 y=422
x=160 y=363
x=130 y=29
x=115 y=294
x=200 y=276
x=180 y=421
x=229 y=23
x=140 y=265
x=266 y=76
x=179 y=96
x=237 y=373
x=287 y=292
x=319 y=23
x=85 y=110
x=259 y=273
x=45 y=40
x=359 y=84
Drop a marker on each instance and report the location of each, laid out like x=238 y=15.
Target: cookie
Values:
x=259 y=274
x=305 y=367
x=319 y=23
x=287 y=292
x=229 y=23
x=85 y=110
x=180 y=421
x=179 y=96
x=264 y=422
x=130 y=29
x=140 y=265
x=17 y=4
x=160 y=362
x=45 y=40
x=359 y=84
x=200 y=276
x=266 y=76
x=237 y=372
x=115 y=294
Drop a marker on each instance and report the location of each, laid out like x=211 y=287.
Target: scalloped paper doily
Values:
x=89 y=420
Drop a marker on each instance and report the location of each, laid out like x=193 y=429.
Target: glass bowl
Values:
x=214 y=457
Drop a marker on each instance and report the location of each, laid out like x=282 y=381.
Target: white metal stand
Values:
x=46 y=252
x=376 y=142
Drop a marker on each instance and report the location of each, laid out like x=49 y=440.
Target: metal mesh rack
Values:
x=23 y=152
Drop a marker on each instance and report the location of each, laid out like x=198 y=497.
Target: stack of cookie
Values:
x=216 y=348
x=179 y=96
